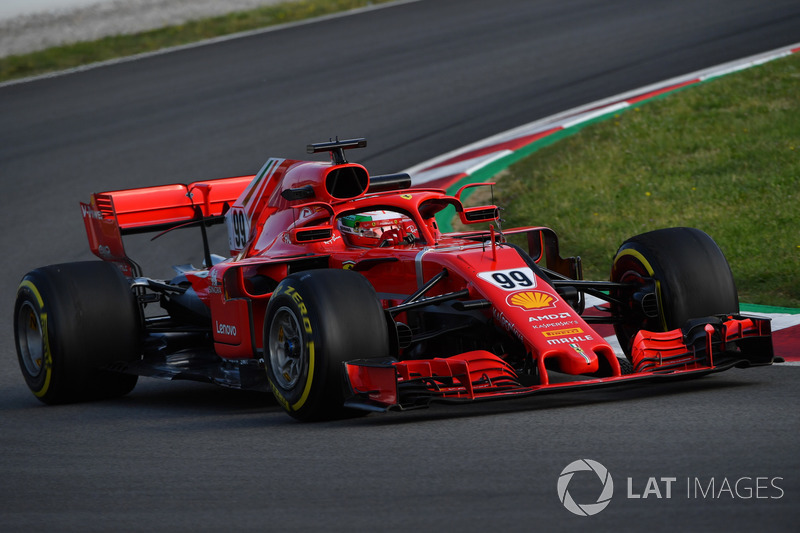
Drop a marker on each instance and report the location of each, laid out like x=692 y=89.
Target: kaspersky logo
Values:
x=605 y=493
x=531 y=300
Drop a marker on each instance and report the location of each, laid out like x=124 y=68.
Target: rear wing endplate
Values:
x=110 y=215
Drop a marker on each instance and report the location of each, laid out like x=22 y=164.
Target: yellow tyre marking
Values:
x=48 y=356
x=292 y=293
x=307 y=389
x=639 y=257
x=278 y=395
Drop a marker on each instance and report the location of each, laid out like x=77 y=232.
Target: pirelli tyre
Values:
x=315 y=321
x=678 y=274
x=70 y=321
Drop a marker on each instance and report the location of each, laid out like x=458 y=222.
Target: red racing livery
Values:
x=341 y=295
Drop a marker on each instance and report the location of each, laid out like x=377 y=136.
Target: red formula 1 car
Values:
x=341 y=294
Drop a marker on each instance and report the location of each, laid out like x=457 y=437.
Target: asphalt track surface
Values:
x=417 y=80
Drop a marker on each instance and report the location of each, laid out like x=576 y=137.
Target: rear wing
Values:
x=110 y=215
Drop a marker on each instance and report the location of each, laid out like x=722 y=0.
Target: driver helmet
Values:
x=368 y=229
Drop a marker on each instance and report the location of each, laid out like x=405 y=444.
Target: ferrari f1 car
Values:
x=341 y=295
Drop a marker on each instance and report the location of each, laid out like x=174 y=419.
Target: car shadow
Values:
x=236 y=408
x=622 y=394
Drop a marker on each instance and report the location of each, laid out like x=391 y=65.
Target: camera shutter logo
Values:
x=587 y=509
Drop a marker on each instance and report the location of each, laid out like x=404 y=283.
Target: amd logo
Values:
x=548 y=317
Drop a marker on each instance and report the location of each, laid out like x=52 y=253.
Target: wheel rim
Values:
x=632 y=276
x=286 y=349
x=31 y=339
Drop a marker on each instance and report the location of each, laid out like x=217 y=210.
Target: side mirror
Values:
x=473 y=215
x=311 y=234
x=484 y=213
x=308 y=213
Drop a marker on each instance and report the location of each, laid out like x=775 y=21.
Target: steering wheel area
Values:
x=395 y=236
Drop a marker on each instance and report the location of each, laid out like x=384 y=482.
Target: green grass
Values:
x=722 y=156
x=73 y=55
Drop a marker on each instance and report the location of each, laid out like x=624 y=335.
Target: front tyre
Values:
x=70 y=320
x=687 y=270
x=315 y=321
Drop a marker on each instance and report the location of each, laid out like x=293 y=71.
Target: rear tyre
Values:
x=315 y=321
x=692 y=280
x=70 y=320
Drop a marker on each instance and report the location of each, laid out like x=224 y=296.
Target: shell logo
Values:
x=530 y=300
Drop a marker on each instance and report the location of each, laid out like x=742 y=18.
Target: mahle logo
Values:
x=585 y=509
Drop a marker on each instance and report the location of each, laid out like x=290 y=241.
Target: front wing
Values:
x=700 y=348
